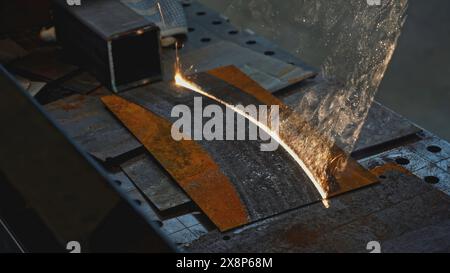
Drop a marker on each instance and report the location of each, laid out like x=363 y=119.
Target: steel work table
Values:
x=409 y=206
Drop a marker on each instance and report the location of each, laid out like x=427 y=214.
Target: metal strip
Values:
x=193 y=169
x=340 y=174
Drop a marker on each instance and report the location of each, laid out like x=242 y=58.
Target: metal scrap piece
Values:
x=155 y=183
x=86 y=120
x=192 y=168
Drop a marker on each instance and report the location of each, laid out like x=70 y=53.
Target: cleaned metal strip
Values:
x=339 y=174
x=193 y=169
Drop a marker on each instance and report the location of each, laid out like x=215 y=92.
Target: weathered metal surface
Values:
x=388 y=167
x=254 y=182
x=87 y=121
x=422 y=158
x=184 y=229
x=444 y=164
x=403 y=156
x=381 y=126
x=155 y=183
x=269 y=183
x=124 y=183
x=9 y=51
x=8 y=244
x=435 y=175
x=51 y=93
x=193 y=169
x=432 y=148
x=33 y=87
x=218 y=25
x=416 y=155
x=82 y=83
x=269 y=72
x=197 y=38
x=397 y=212
x=294 y=131
x=45 y=63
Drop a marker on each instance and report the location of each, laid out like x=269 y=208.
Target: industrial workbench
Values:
x=407 y=211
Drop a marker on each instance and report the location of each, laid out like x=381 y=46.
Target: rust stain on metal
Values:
x=190 y=166
x=339 y=174
x=380 y=170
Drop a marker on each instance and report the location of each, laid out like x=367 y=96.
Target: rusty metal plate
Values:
x=155 y=183
x=332 y=178
x=193 y=169
x=86 y=120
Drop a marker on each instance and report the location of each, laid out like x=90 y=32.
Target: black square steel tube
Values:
x=120 y=47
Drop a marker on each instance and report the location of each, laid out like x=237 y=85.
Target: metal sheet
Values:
x=383 y=125
x=436 y=175
x=9 y=51
x=423 y=159
x=91 y=125
x=155 y=183
x=432 y=148
x=46 y=63
x=193 y=169
x=396 y=212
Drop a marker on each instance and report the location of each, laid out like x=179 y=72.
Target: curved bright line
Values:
x=181 y=81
